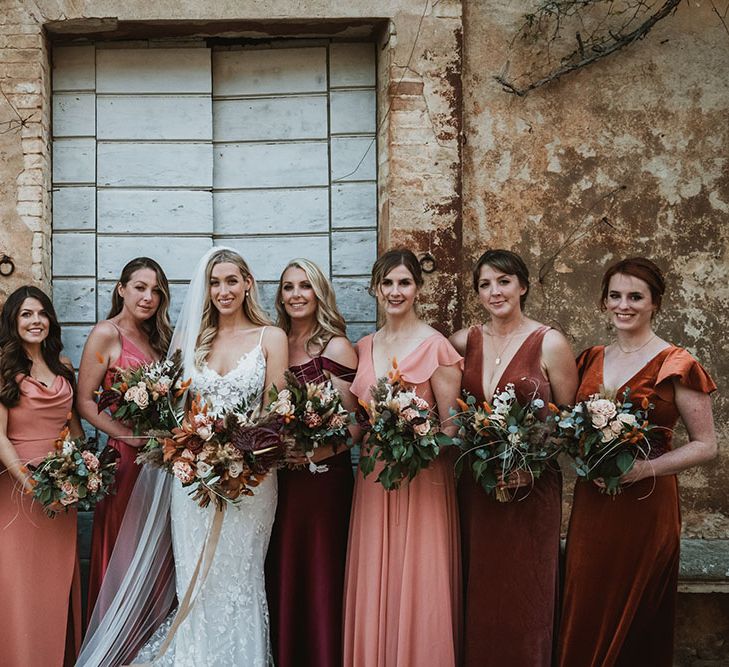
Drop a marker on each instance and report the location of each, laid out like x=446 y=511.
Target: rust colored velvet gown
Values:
x=402 y=583
x=40 y=590
x=511 y=549
x=623 y=551
x=109 y=512
x=307 y=552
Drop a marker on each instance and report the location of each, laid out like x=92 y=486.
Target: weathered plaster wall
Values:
x=652 y=120
x=419 y=108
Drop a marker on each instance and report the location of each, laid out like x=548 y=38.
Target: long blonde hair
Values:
x=209 y=320
x=329 y=321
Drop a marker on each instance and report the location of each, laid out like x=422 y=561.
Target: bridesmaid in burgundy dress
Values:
x=623 y=551
x=40 y=587
x=511 y=549
x=137 y=331
x=306 y=555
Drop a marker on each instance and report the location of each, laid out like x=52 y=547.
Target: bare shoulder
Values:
x=274 y=337
x=104 y=333
x=459 y=340
x=556 y=343
x=341 y=350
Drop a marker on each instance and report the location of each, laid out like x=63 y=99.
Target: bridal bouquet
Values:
x=604 y=436
x=221 y=456
x=73 y=475
x=401 y=432
x=504 y=437
x=311 y=414
x=144 y=397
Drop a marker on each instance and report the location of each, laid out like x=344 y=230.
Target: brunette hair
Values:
x=638 y=267
x=506 y=261
x=157 y=328
x=329 y=321
x=391 y=260
x=209 y=322
x=14 y=360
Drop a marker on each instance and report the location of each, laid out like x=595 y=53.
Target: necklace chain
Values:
x=637 y=349
x=497 y=361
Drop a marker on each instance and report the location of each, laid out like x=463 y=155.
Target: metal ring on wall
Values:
x=7 y=266
x=427 y=263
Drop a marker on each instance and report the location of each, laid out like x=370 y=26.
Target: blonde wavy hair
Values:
x=329 y=321
x=209 y=320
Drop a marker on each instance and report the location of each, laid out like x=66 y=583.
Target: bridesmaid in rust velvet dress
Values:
x=137 y=331
x=306 y=555
x=511 y=549
x=623 y=551
x=40 y=614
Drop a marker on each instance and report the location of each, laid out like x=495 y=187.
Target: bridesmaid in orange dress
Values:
x=511 y=549
x=623 y=551
x=402 y=582
x=40 y=612
x=137 y=331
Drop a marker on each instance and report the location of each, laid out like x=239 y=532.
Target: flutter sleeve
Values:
x=679 y=364
x=338 y=370
x=584 y=359
x=422 y=363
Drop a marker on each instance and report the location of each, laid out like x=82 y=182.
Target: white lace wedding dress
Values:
x=228 y=625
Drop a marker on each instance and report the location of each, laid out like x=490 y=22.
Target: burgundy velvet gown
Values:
x=307 y=552
x=109 y=512
x=623 y=551
x=511 y=549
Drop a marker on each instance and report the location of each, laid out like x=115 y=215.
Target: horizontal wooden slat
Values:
x=74 y=208
x=270 y=165
x=74 y=115
x=267 y=256
x=354 y=205
x=177 y=256
x=352 y=64
x=158 y=211
x=261 y=72
x=353 y=253
x=353 y=111
x=74 y=68
x=154 y=117
x=75 y=299
x=74 y=161
x=155 y=165
x=153 y=70
x=73 y=255
x=353 y=159
x=281 y=118
x=271 y=211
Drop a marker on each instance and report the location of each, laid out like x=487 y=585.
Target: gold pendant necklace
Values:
x=497 y=361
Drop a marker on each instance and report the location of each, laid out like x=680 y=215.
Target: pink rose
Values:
x=408 y=414
x=92 y=463
x=183 y=471
x=422 y=429
x=93 y=483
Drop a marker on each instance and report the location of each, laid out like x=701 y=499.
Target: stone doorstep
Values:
x=704 y=563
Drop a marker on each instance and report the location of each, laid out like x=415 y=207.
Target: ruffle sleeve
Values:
x=690 y=373
x=435 y=351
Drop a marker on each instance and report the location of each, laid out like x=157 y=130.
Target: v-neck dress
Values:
x=402 y=582
x=109 y=513
x=510 y=549
x=623 y=551
x=307 y=552
x=40 y=614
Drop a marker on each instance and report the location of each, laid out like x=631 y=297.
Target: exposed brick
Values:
x=398 y=87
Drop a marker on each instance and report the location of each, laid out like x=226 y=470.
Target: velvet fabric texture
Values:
x=510 y=549
x=307 y=552
x=40 y=587
x=623 y=551
x=402 y=593
x=109 y=513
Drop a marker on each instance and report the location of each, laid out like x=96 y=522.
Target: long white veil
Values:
x=138 y=590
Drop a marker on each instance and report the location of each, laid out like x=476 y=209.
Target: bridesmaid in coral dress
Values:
x=623 y=550
x=40 y=612
x=306 y=555
x=511 y=549
x=402 y=592
x=137 y=331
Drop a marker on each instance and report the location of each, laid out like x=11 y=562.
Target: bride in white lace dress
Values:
x=230 y=351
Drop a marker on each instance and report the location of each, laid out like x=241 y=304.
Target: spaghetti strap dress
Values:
x=109 y=512
x=402 y=602
x=40 y=614
x=622 y=555
x=307 y=552
x=510 y=549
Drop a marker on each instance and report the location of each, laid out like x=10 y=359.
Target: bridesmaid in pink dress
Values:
x=40 y=612
x=137 y=331
x=402 y=584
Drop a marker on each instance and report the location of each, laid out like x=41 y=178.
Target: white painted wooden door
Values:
x=165 y=151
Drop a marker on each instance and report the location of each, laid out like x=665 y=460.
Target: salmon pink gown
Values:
x=623 y=551
x=40 y=614
x=109 y=512
x=402 y=601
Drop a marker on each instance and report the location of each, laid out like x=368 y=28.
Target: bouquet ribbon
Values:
x=198 y=580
